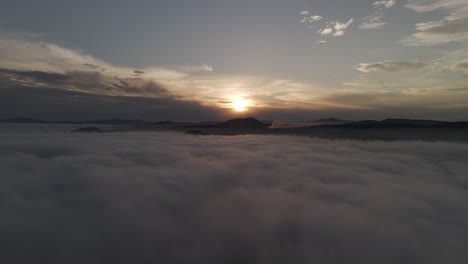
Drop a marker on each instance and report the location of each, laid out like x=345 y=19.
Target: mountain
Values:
x=404 y=123
x=331 y=120
x=243 y=123
x=106 y=122
x=23 y=120
x=88 y=130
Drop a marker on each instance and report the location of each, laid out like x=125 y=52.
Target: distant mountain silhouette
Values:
x=23 y=120
x=106 y=122
x=88 y=130
x=331 y=120
x=243 y=123
x=404 y=123
x=169 y=124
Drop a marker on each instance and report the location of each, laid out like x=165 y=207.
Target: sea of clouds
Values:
x=172 y=198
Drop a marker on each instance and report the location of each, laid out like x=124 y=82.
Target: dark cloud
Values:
x=166 y=198
x=92 y=66
x=56 y=104
x=37 y=76
x=85 y=81
x=462 y=66
x=138 y=73
x=458 y=89
x=79 y=95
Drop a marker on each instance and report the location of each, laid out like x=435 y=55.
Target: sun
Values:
x=239 y=105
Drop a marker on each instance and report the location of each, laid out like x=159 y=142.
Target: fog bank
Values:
x=170 y=198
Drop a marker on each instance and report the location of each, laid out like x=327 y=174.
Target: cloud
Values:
x=43 y=102
x=304 y=12
x=390 y=66
x=329 y=28
x=374 y=21
x=166 y=198
x=200 y=68
x=28 y=61
x=94 y=82
x=31 y=54
x=335 y=28
x=385 y=3
x=422 y=6
x=452 y=28
x=458 y=89
x=326 y=31
x=461 y=66
x=311 y=19
x=373 y=25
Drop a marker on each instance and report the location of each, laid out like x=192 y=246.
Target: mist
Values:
x=174 y=198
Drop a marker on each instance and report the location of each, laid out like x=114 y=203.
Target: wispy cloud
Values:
x=385 y=3
x=452 y=28
x=390 y=66
x=309 y=19
x=24 y=53
x=198 y=68
x=461 y=66
x=374 y=21
x=422 y=6
x=372 y=25
x=326 y=29
x=335 y=28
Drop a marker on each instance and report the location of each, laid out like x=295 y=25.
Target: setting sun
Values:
x=239 y=104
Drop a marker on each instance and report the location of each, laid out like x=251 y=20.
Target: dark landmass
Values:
x=88 y=130
x=105 y=122
x=399 y=123
x=196 y=132
x=243 y=123
x=331 y=120
x=330 y=128
x=389 y=129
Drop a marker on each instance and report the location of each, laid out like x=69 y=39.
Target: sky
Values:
x=211 y=59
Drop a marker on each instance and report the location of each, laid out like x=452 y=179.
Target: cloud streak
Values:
x=390 y=66
x=374 y=21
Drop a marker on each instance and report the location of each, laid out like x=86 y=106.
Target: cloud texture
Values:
x=168 y=198
x=452 y=28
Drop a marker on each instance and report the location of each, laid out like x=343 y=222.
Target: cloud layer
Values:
x=166 y=198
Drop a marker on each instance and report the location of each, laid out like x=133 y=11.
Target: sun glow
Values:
x=239 y=105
